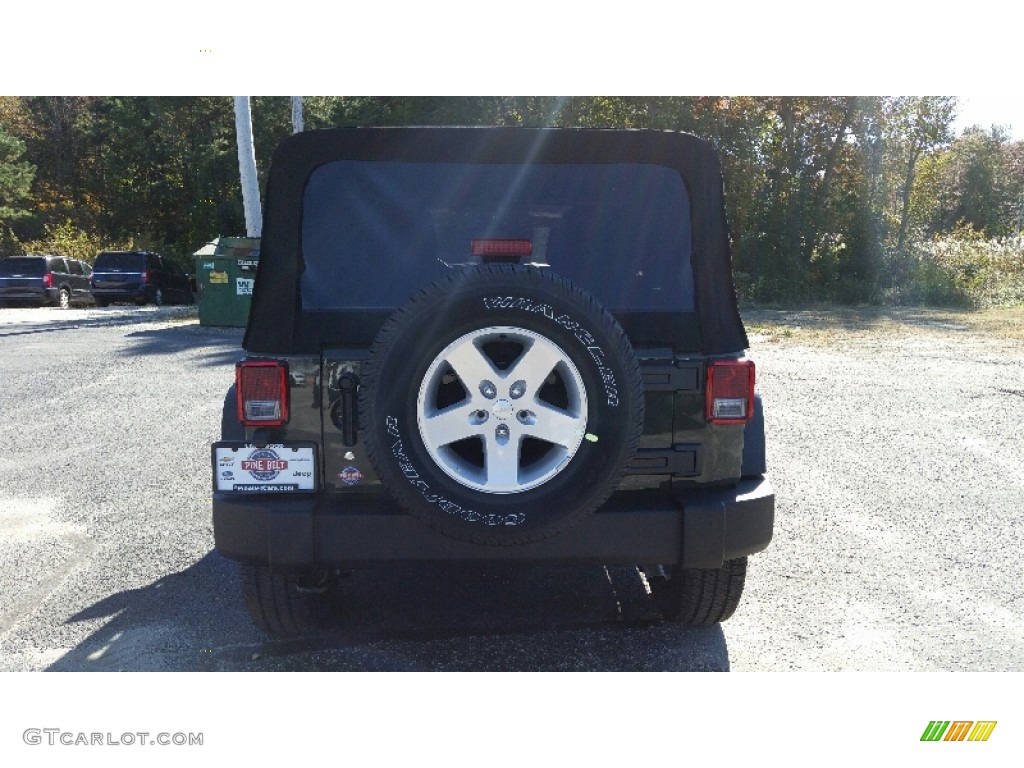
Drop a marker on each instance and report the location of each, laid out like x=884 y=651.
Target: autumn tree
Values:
x=913 y=127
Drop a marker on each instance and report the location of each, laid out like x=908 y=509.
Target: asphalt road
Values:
x=895 y=457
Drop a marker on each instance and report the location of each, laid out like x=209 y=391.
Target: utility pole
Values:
x=247 y=167
x=297 y=114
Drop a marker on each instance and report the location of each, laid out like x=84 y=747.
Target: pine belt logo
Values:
x=264 y=464
x=958 y=730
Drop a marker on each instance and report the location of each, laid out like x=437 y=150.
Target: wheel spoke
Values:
x=534 y=365
x=450 y=426
x=555 y=426
x=471 y=365
x=501 y=464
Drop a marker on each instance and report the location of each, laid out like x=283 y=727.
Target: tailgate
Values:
x=117 y=280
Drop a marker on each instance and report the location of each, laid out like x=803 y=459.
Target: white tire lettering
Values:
x=448 y=506
x=585 y=338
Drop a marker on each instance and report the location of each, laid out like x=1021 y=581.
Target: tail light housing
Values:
x=146 y=277
x=48 y=280
x=262 y=390
x=730 y=391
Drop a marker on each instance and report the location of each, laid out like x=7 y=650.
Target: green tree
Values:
x=976 y=183
x=16 y=177
x=59 y=143
x=169 y=170
x=799 y=160
x=978 y=171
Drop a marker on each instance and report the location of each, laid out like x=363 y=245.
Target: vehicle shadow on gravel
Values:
x=216 y=346
x=31 y=328
x=62 y=320
x=410 y=617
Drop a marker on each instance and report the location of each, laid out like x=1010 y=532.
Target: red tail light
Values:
x=262 y=389
x=146 y=277
x=730 y=391
x=48 y=280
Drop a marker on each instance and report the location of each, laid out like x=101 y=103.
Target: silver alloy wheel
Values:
x=64 y=298
x=502 y=410
x=158 y=298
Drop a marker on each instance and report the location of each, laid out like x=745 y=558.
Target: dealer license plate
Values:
x=244 y=468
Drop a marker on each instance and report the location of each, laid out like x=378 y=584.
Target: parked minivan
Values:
x=44 y=280
x=141 y=277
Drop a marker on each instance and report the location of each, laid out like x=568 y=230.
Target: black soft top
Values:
x=278 y=325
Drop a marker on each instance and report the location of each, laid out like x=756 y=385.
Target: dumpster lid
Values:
x=208 y=249
x=229 y=247
x=238 y=247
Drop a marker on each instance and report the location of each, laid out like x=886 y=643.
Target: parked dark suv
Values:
x=490 y=344
x=44 y=280
x=140 y=277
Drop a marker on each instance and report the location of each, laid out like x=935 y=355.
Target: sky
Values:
x=458 y=47
x=461 y=47
x=986 y=111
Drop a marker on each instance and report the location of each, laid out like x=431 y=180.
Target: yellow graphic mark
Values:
x=982 y=730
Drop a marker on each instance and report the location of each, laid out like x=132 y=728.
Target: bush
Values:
x=65 y=239
x=963 y=270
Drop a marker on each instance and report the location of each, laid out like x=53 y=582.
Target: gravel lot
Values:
x=894 y=447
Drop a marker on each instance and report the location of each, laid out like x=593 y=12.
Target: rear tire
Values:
x=230 y=428
x=283 y=606
x=501 y=405
x=698 y=596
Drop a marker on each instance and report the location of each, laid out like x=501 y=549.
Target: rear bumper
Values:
x=121 y=293
x=700 y=529
x=41 y=296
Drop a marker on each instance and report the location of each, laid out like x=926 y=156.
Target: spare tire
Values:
x=501 y=404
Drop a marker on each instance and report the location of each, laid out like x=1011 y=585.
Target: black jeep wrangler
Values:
x=492 y=344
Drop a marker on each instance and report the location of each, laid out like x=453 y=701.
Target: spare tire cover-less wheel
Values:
x=501 y=405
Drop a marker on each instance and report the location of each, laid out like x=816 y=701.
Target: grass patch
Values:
x=831 y=324
x=1000 y=323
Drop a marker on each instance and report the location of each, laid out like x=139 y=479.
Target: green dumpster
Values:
x=225 y=276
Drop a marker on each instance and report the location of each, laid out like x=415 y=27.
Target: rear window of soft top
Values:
x=373 y=232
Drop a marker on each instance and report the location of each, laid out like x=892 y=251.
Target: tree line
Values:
x=837 y=198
